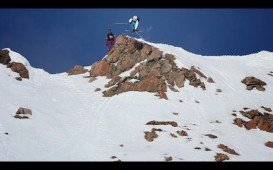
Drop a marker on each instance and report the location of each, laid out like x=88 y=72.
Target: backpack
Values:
x=110 y=37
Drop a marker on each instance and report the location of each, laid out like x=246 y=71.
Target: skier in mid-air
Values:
x=110 y=39
x=134 y=23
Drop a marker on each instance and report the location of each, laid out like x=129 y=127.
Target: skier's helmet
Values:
x=134 y=18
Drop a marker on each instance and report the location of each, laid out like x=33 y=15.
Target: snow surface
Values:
x=72 y=122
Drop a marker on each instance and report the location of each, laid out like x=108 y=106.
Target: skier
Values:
x=110 y=39
x=134 y=22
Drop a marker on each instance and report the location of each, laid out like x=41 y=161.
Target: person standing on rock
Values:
x=110 y=39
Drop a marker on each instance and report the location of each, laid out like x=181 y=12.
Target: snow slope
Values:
x=72 y=122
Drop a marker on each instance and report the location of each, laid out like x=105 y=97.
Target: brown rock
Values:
x=97 y=89
x=99 y=68
x=218 y=90
x=251 y=114
x=252 y=124
x=182 y=133
x=207 y=149
x=269 y=144
x=150 y=136
x=221 y=157
x=165 y=67
x=172 y=88
x=227 y=149
x=198 y=72
x=113 y=81
x=233 y=114
x=92 y=79
x=19 y=68
x=180 y=79
x=4 y=57
x=162 y=95
x=172 y=123
x=175 y=113
x=168 y=158
x=173 y=135
x=239 y=122
x=18 y=78
x=253 y=82
x=23 y=113
x=77 y=69
x=210 y=80
x=211 y=136
x=155 y=55
x=267 y=109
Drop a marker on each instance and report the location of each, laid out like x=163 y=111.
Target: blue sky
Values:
x=57 y=39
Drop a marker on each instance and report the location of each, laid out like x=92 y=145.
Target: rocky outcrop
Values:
x=153 y=122
x=100 y=68
x=269 y=144
x=148 y=70
x=4 y=57
x=19 y=68
x=257 y=120
x=150 y=136
x=211 y=136
x=227 y=149
x=220 y=157
x=23 y=113
x=77 y=69
x=252 y=82
x=182 y=133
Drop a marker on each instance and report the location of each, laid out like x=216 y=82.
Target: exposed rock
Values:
x=168 y=158
x=175 y=113
x=221 y=157
x=252 y=124
x=18 y=78
x=269 y=144
x=227 y=149
x=113 y=81
x=196 y=101
x=77 y=69
x=210 y=80
x=150 y=136
x=172 y=123
x=97 y=89
x=4 y=57
x=180 y=79
x=92 y=79
x=198 y=72
x=99 y=68
x=207 y=149
x=234 y=114
x=182 y=133
x=245 y=108
x=263 y=121
x=19 y=68
x=239 y=122
x=218 y=90
x=181 y=101
x=121 y=145
x=173 y=135
x=270 y=74
x=267 y=109
x=198 y=148
x=211 y=136
x=172 y=88
x=155 y=56
x=252 y=82
x=251 y=114
x=162 y=94
x=23 y=113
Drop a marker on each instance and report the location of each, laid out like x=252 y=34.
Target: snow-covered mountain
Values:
x=195 y=98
